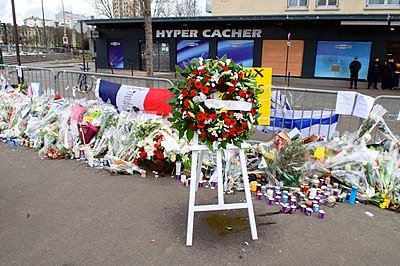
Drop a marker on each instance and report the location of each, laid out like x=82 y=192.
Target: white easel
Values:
x=198 y=152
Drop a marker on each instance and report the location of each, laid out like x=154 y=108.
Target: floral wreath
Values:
x=205 y=79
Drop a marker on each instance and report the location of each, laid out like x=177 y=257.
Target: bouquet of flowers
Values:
x=211 y=79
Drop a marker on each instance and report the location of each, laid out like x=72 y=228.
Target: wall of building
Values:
x=279 y=7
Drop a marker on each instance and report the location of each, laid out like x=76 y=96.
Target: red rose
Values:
x=190 y=82
x=253 y=111
x=227 y=121
x=135 y=161
x=231 y=89
x=211 y=137
x=213 y=116
x=233 y=122
x=234 y=82
x=208 y=116
x=202 y=71
x=201 y=125
x=207 y=78
x=156 y=145
x=223 y=115
x=244 y=125
x=250 y=93
x=202 y=133
x=239 y=131
x=195 y=72
x=240 y=75
x=57 y=96
x=231 y=112
x=160 y=156
x=193 y=93
x=205 y=89
x=185 y=92
x=232 y=131
x=200 y=117
x=225 y=135
x=193 y=126
x=186 y=103
x=143 y=155
x=225 y=68
x=198 y=84
x=242 y=94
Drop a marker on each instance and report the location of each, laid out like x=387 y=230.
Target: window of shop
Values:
x=327 y=3
x=115 y=54
x=186 y=50
x=383 y=3
x=274 y=56
x=333 y=58
x=240 y=51
x=161 y=55
x=297 y=4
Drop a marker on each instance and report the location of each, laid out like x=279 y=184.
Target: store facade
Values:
x=320 y=46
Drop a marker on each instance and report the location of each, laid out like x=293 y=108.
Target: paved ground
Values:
x=64 y=213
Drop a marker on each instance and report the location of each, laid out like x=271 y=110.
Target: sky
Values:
x=28 y=8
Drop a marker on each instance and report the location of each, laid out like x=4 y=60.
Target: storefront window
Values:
x=240 y=51
x=186 y=50
x=333 y=58
x=115 y=54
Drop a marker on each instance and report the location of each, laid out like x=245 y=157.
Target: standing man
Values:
x=374 y=72
x=354 y=67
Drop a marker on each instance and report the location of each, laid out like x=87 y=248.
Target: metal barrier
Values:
x=392 y=105
x=78 y=84
x=45 y=76
x=307 y=104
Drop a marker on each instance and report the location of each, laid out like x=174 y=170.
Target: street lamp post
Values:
x=44 y=27
x=287 y=79
x=20 y=79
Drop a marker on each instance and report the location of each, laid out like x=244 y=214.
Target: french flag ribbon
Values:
x=133 y=98
x=322 y=123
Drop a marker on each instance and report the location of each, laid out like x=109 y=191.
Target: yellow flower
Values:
x=385 y=204
x=19 y=85
x=271 y=154
x=319 y=153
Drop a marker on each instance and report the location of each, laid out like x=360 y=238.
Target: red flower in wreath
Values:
x=201 y=125
x=143 y=155
x=205 y=90
x=193 y=93
x=185 y=92
x=242 y=94
x=198 y=84
x=201 y=117
x=186 y=103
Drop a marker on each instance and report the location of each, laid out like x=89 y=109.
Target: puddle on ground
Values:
x=228 y=225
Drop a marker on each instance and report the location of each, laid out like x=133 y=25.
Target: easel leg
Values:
x=192 y=199
x=247 y=192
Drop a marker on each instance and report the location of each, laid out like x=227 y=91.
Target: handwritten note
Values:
x=363 y=106
x=35 y=86
x=345 y=102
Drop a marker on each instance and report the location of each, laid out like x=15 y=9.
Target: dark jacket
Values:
x=355 y=66
x=374 y=71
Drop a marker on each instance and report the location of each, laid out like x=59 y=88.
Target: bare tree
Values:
x=186 y=8
x=103 y=7
x=149 y=37
x=163 y=8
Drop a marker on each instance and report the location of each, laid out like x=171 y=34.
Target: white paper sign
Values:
x=363 y=106
x=35 y=89
x=131 y=97
x=345 y=102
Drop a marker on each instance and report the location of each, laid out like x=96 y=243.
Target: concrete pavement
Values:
x=64 y=213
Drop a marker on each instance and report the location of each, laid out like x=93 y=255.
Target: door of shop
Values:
x=393 y=51
x=161 y=56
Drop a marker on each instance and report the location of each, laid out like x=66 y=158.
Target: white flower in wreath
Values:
x=141 y=143
x=149 y=150
x=172 y=157
x=200 y=98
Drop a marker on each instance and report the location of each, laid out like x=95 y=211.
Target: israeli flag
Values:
x=308 y=123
